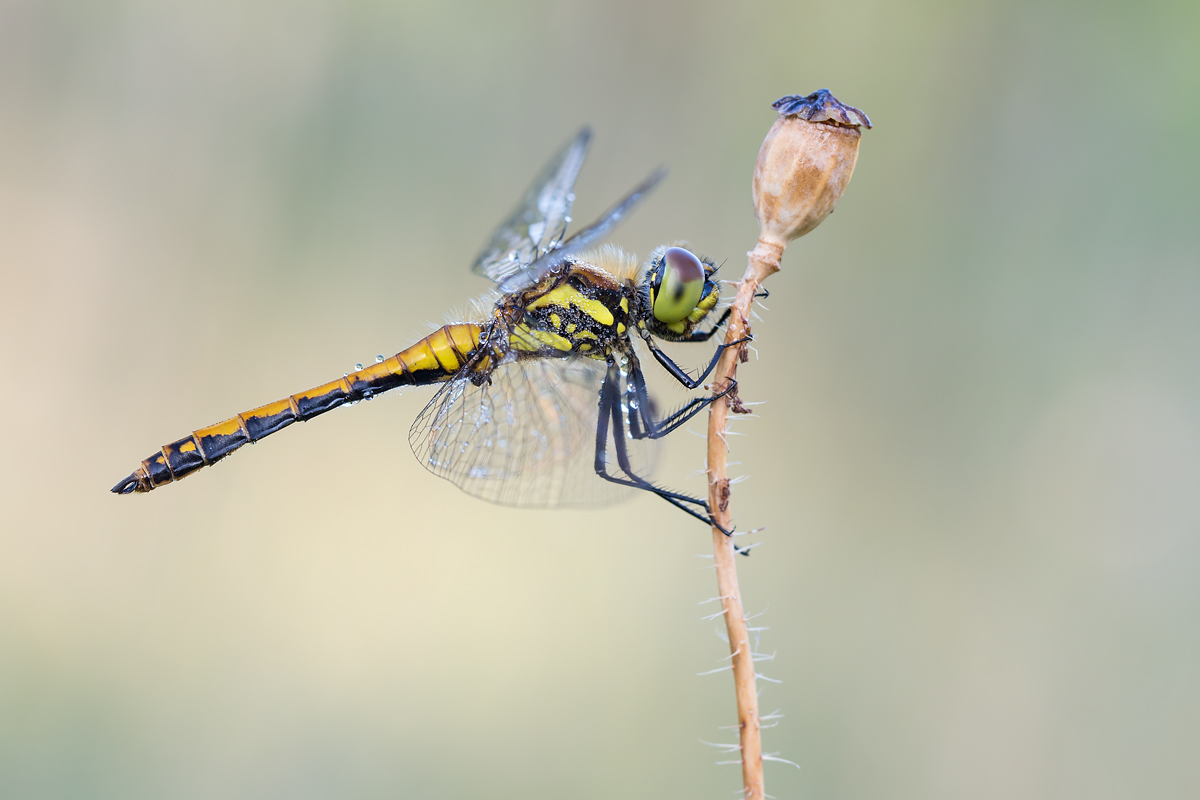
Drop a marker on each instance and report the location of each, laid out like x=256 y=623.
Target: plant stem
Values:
x=763 y=261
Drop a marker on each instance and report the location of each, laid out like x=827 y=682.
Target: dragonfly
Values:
x=543 y=399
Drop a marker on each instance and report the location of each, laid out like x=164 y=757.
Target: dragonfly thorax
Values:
x=578 y=310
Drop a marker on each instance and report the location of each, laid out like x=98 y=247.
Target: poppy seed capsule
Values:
x=804 y=164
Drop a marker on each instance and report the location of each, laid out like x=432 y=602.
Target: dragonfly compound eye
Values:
x=681 y=287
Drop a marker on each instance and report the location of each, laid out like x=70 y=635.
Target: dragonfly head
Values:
x=678 y=292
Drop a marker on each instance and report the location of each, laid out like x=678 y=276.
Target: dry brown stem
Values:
x=763 y=260
x=803 y=167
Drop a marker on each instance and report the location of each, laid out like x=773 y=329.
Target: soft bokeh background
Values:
x=978 y=464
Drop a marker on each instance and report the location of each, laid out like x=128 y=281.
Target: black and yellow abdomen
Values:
x=436 y=358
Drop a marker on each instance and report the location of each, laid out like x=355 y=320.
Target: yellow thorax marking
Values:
x=529 y=339
x=566 y=295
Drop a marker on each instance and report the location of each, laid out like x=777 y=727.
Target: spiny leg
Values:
x=674 y=498
x=672 y=421
x=677 y=372
x=641 y=421
x=704 y=336
x=656 y=429
x=610 y=409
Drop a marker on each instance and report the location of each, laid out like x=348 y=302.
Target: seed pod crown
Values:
x=805 y=164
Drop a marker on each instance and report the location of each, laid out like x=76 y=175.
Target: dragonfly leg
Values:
x=704 y=336
x=610 y=409
x=656 y=429
x=677 y=372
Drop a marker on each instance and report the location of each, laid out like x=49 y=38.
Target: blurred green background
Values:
x=978 y=464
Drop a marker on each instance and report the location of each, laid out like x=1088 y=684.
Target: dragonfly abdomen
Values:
x=433 y=359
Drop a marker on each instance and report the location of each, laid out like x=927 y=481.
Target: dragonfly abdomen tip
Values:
x=127 y=486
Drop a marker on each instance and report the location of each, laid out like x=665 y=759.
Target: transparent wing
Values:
x=539 y=221
x=526 y=439
x=584 y=239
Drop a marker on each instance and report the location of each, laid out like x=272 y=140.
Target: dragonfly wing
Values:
x=538 y=222
x=581 y=241
x=525 y=439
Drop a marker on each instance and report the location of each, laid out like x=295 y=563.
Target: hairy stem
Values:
x=763 y=261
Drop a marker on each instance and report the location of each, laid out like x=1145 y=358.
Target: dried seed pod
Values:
x=804 y=164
